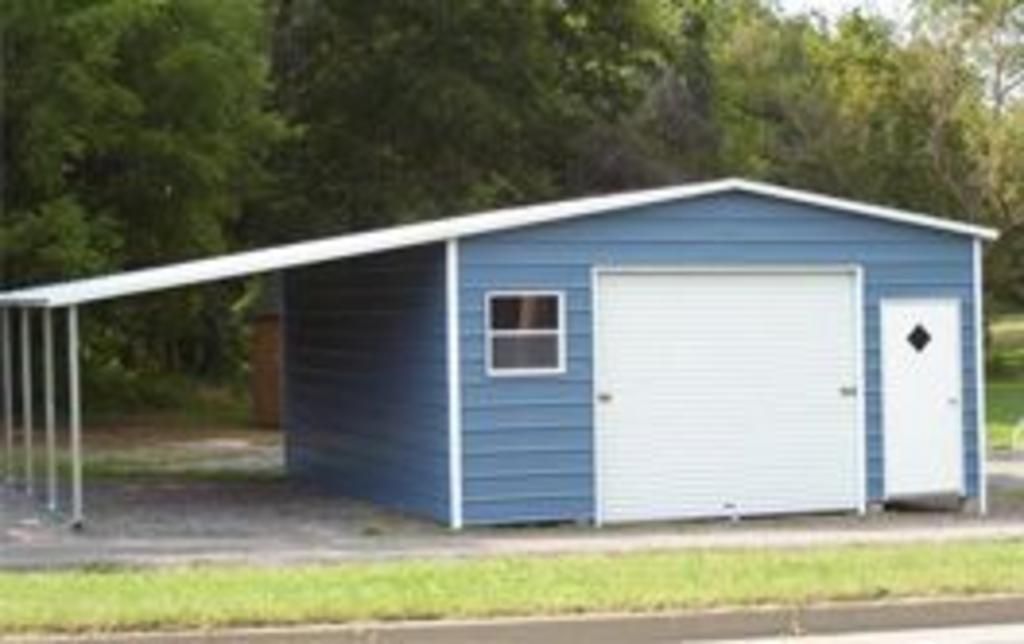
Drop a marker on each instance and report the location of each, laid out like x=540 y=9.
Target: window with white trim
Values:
x=525 y=333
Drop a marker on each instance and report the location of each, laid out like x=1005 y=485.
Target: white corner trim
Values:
x=454 y=384
x=979 y=377
x=860 y=317
x=597 y=462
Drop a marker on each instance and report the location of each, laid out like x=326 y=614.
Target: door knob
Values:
x=604 y=397
x=953 y=400
x=848 y=391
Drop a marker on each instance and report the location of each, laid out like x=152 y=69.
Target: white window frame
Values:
x=491 y=333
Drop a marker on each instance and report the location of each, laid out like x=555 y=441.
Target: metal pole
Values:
x=51 y=421
x=26 y=397
x=8 y=400
x=75 y=419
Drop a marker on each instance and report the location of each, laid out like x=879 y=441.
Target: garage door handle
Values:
x=848 y=391
x=604 y=397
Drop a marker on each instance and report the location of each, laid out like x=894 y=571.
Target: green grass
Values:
x=1005 y=393
x=167 y=461
x=1005 y=405
x=170 y=402
x=217 y=596
x=1008 y=347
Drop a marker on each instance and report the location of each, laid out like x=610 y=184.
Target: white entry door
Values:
x=922 y=416
x=722 y=393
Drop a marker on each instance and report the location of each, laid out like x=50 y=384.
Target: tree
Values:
x=771 y=105
x=413 y=110
x=133 y=131
x=987 y=36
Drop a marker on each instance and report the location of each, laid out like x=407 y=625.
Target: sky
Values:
x=895 y=10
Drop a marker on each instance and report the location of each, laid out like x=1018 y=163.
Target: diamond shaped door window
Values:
x=919 y=338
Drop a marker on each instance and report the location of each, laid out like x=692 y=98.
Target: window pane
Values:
x=528 y=312
x=525 y=352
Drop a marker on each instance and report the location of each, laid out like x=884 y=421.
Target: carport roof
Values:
x=333 y=248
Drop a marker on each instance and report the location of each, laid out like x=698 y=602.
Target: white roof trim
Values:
x=314 y=252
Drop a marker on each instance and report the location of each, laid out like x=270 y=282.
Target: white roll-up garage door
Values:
x=726 y=393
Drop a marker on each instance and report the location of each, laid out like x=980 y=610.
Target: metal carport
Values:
x=20 y=307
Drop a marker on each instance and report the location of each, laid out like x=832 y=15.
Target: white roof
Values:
x=323 y=250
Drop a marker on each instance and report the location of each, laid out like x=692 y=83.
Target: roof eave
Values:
x=883 y=212
x=247 y=263
x=25 y=303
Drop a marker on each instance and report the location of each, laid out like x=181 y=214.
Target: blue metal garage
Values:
x=719 y=349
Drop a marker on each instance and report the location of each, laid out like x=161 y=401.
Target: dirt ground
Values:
x=165 y=497
x=142 y=482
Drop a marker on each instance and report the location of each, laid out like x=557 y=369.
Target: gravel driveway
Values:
x=180 y=518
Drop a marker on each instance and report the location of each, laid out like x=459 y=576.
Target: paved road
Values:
x=994 y=634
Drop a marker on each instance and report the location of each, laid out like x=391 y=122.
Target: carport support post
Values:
x=75 y=419
x=51 y=421
x=26 y=396
x=8 y=399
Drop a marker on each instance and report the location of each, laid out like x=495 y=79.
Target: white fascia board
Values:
x=209 y=270
x=355 y=244
x=334 y=248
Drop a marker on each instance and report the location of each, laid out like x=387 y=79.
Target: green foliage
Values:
x=58 y=238
x=845 y=111
x=117 y=394
x=433 y=108
x=133 y=131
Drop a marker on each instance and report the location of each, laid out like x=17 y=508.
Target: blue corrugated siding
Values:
x=366 y=378
x=527 y=442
